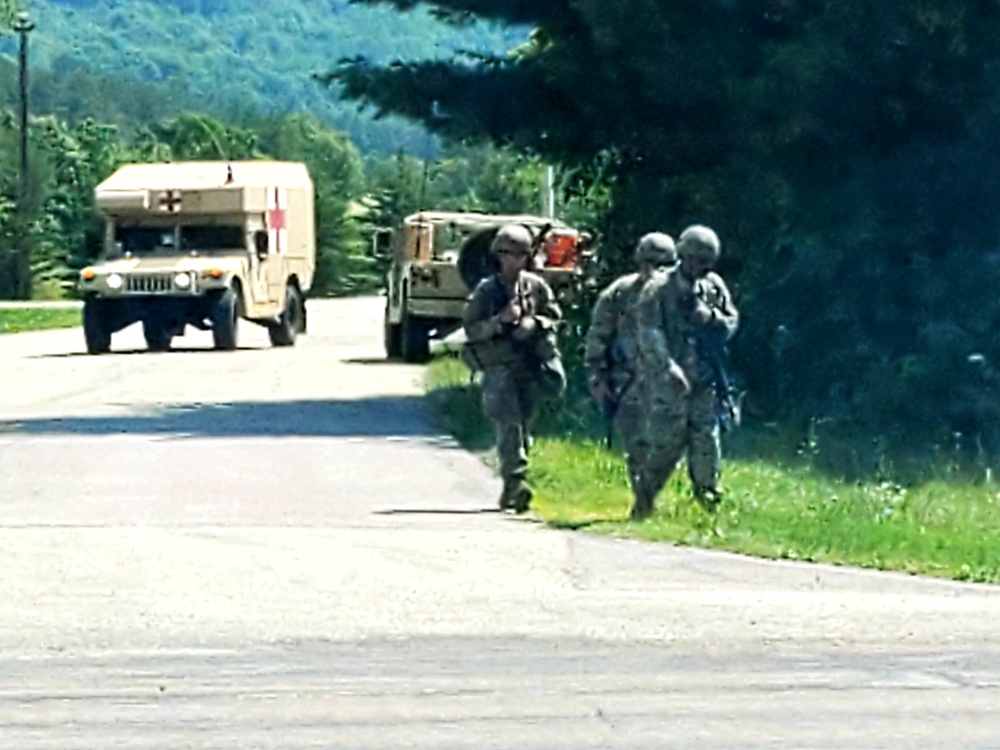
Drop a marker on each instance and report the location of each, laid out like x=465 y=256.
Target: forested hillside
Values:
x=231 y=58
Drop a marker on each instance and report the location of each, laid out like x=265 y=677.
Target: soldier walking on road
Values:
x=612 y=358
x=684 y=318
x=510 y=323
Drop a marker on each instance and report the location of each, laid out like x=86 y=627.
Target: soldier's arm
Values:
x=480 y=321
x=657 y=301
x=548 y=313
x=600 y=334
x=654 y=351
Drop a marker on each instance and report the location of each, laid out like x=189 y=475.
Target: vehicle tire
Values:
x=414 y=333
x=392 y=336
x=157 y=335
x=225 y=316
x=96 y=330
x=283 y=332
x=475 y=260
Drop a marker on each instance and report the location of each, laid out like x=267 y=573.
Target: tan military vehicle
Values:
x=202 y=244
x=437 y=257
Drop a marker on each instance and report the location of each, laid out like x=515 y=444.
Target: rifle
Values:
x=712 y=351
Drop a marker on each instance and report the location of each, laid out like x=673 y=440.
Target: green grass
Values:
x=19 y=319
x=772 y=508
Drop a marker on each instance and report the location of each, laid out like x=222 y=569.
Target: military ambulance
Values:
x=202 y=244
x=438 y=257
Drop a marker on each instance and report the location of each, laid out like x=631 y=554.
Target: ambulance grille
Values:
x=149 y=284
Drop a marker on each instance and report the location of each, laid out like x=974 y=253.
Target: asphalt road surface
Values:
x=276 y=548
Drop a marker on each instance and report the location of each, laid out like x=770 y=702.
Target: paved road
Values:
x=275 y=548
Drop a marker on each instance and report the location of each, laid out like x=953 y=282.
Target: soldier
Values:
x=612 y=358
x=510 y=323
x=683 y=318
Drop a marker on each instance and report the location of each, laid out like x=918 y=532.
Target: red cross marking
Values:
x=276 y=214
x=169 y=200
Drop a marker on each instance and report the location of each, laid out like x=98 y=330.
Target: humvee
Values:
x=437 y=258
x=201 y=244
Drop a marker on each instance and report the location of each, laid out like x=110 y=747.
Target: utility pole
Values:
x=23 y=25
x=548 y=193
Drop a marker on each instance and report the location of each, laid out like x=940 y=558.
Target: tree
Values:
x=195 y=136
x=838 y=147
x=335 y=166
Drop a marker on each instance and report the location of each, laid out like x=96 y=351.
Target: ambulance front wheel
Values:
x=225 y=317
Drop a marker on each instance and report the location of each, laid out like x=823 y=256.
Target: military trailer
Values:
x=437 y=257
x=202 y=244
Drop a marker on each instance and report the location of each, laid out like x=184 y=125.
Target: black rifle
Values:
x=711 y=350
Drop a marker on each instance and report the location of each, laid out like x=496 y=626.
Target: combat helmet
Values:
x=656 y=248
x=512 y=237
x=699 y=241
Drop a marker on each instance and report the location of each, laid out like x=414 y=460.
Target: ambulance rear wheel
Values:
x=289 y=324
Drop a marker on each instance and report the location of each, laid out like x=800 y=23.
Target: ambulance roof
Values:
x=193 y=175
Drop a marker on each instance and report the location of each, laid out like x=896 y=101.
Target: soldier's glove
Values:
x=525 y=329
x=678 y=380
x=701 y=314
x=510 y=314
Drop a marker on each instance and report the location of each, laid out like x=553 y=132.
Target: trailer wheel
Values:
x=283 y=332
x=225 y=316
x=96 y=330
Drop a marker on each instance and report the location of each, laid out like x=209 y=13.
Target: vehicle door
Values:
x=259 y=262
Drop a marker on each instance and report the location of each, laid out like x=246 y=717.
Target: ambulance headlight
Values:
x=182 y=281
x=114 y=281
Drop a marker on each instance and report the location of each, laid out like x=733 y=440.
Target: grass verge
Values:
x=20 y=319
x=771 y=509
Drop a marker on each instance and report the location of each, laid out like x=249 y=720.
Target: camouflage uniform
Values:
x=612 y=356
x=516 y=374
x=681 y=402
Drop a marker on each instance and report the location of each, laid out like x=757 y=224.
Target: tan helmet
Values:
x=512 y=237
x=699 y=241
x=657 y=249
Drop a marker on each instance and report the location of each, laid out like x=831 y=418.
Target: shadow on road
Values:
x=374 y=361
x=435 y=511
x=401 y=416
x=577 y=525
x=145 y=351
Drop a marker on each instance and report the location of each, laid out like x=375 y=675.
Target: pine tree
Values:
x=844 y=150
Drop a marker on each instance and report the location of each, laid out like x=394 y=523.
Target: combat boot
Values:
x=506 y=498
x=708 y=498
x=520 y=497
x=642 y=508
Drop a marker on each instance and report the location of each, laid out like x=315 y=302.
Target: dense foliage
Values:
x=231 y=58
x=845 y=151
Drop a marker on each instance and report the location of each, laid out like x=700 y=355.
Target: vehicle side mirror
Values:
x=381 y=243
x=260 y=245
